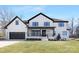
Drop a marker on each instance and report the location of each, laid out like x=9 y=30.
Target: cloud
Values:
x=39 y=9
x=28 y=9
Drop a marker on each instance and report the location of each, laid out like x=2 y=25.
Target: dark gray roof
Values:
x=27 y=21
x=53 y=19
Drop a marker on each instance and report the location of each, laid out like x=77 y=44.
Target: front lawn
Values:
x=43 y=46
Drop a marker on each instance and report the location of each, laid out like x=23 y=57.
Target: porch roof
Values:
x=41 y=27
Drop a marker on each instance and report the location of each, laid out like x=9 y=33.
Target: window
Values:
x=35 y=33
x=54 y=33
x=46 y=23
x=17 y=22
x=61 y=24
x=34 y=23
x=64 y=33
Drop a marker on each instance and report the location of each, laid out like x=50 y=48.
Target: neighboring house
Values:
x=77 y=32
x=38 y=27
x=2 y=34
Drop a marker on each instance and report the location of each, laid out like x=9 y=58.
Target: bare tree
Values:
x=5 y=16
x=72 y=26
x=77 y=29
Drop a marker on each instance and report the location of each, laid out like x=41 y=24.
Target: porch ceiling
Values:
x=41 y=27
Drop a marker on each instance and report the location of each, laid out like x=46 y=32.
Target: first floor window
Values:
x=53 y=32
x=35 y=33
x=64 y=33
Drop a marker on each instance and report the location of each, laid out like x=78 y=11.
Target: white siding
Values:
x=16 y=28
x=41 y=19
x=61 y=29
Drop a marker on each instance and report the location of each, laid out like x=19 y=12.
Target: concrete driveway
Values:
x=6 y=43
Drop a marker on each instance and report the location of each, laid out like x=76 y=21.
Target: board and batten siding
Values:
x=21 y=27
x=61 y=29
x=41 y=19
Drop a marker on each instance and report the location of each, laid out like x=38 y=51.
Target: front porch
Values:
x=43 y=33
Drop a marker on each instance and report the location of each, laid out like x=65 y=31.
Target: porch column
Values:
x=41 y=31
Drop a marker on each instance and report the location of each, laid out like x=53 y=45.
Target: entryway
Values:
x=43 y=32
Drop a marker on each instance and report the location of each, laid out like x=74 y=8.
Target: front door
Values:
x=43 y=32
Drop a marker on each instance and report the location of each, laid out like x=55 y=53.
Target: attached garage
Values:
x=16 y=35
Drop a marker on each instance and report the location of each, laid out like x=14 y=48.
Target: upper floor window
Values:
x=17 y=22
x=61 y=24
x=46 y=23
x=64 y=32
x=34 y=23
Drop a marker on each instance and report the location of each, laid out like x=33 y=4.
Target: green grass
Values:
x=43 y=47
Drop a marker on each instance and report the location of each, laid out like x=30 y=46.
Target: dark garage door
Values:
x=17 y=35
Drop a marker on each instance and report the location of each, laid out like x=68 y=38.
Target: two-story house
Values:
x=39 y=27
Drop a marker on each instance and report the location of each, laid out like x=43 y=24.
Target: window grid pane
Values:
x=35 y=24
x=17 y=23
x=61 y=24
x=46 y=23
x=35 y=33
x=64 y=32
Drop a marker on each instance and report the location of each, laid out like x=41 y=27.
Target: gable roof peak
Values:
x=41 y=13
x=17 y=17
x=53 y=19
x=13 y=20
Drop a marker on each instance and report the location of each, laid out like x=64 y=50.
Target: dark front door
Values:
x=17 y=35
x=43 y=32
